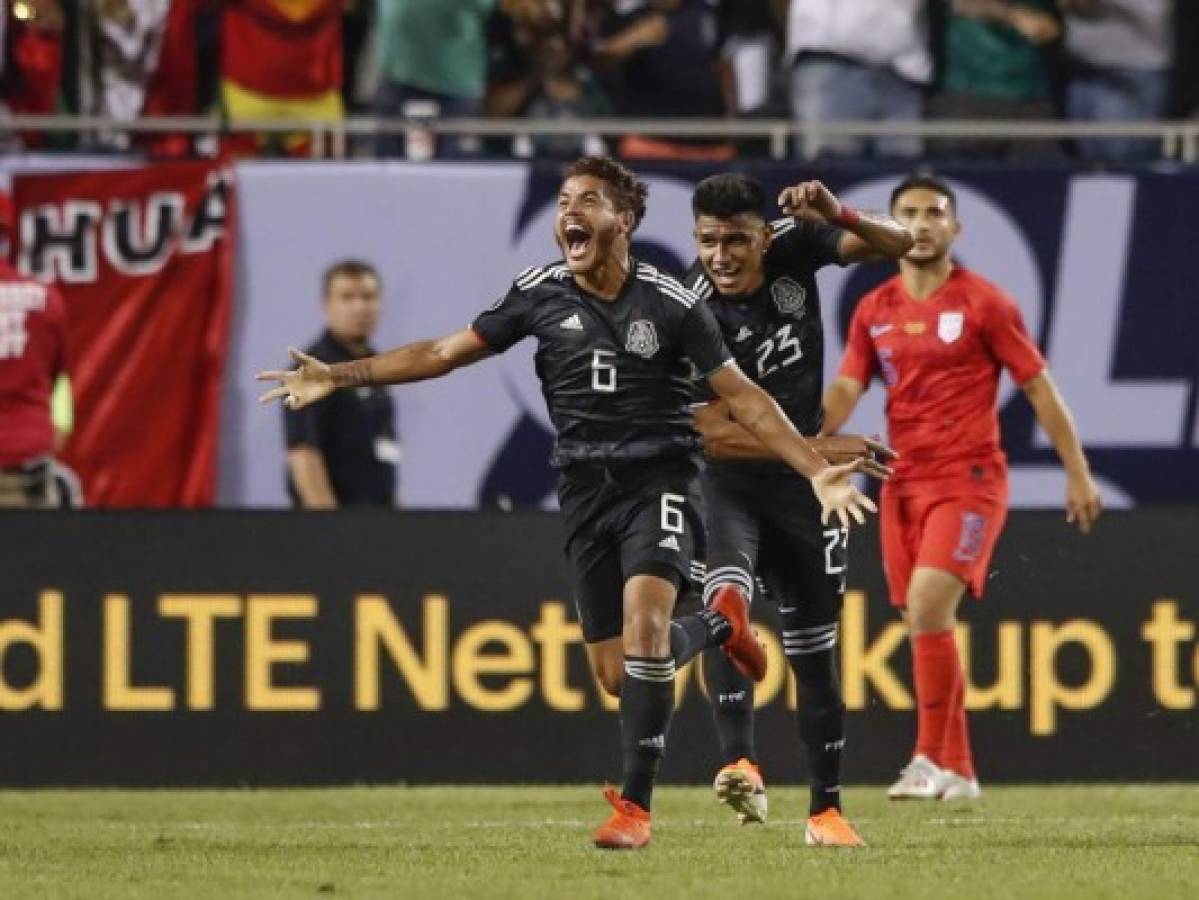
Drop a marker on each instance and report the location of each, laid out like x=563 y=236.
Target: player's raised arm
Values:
x=868 y=235
x=1083 y=504
x=313 y=380
x=757 y=411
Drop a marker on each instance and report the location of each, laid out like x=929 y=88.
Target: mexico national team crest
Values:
x=788 y=296
x=949 y=326
x=643 y=339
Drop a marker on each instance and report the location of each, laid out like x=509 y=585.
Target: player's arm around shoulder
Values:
x=726 y=441
x=757 y=411
x=865 y=235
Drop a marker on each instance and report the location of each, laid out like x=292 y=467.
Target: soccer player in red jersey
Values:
x=938 y=335
x=33 y=336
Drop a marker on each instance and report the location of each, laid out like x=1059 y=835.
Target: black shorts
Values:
x=763 y=530
x=641 y=517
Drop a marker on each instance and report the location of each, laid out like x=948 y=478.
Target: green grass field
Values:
x=1060 y=842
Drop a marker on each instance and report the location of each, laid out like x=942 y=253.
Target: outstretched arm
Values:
x=756 y=410
x=839 y=402
x=1082 y=496
x=312 y=380
x=868 y=235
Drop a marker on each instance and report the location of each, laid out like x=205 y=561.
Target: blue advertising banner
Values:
x=1100 y=264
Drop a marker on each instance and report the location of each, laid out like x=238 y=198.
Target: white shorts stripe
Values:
x=790 y=650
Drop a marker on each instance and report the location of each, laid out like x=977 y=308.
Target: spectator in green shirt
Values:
x=431 y=50
x=996 y=66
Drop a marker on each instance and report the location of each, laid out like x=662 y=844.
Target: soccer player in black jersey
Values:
x=617 y=340
x=764 y=524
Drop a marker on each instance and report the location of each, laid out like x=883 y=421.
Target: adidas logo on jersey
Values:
x=573 y=323
x=670 y=542
x=744 y=334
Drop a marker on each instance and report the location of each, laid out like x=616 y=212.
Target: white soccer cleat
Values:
x=958 y=787
x=741 y=787
x=921 y=779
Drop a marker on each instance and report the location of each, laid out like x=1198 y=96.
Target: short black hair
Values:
x=928 y=182
x=354 y=268
x=626 y=191
x=725 y=196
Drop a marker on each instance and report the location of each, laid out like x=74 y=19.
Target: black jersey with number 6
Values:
x=776 y=332
x=616 y=375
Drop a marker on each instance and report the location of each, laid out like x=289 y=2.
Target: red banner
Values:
x=144 y=259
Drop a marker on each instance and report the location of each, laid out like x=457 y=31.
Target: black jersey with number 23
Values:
x=776 y=332
x=616 y=375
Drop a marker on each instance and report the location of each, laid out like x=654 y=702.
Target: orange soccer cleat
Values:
x=740 y=786
x=830 y=829
x=626 y=829
x=742 y=646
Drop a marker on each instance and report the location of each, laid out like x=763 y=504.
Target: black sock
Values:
x=821 y=720
x=732 y=697
x=690 y=635
x=646 y=705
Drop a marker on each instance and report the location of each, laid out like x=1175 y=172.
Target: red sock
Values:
x=935 y=666
x=955 y=745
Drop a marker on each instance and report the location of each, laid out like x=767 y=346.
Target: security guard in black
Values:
x=355 y=432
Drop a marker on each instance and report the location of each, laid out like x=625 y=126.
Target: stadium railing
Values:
x=1179 y=139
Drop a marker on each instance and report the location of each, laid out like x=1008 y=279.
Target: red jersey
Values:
x=287 y=49
x=33 y=336
x=940 y=359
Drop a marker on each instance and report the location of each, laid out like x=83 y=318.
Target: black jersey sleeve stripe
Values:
x=542 y=275
x=702 y=287
x=525 y=279
x=780 y=226
x=681 y=294
x=673 y=288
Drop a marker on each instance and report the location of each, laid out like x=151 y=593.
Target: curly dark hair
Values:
x=625 y=190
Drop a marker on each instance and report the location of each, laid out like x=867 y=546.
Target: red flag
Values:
x=144 y=259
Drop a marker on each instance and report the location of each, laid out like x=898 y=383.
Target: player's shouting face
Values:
x=588 y=223
x=731 y=251
x=933 y=221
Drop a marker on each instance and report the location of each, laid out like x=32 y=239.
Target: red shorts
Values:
x=952 y=527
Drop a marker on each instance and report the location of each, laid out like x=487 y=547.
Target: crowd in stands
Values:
x=811 y=60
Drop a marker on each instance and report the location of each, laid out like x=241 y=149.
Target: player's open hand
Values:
x=845 y=448
x=810 y=200
x=839 y=496
x=310 y=381
x=1083 y=504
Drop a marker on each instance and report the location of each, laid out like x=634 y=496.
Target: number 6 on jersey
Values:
x=603 y=374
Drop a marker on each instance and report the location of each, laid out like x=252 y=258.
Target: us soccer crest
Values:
x=788 y=296
x=949 y=326
x=643 y=339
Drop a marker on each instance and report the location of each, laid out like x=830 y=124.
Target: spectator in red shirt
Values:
x=939 y=337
